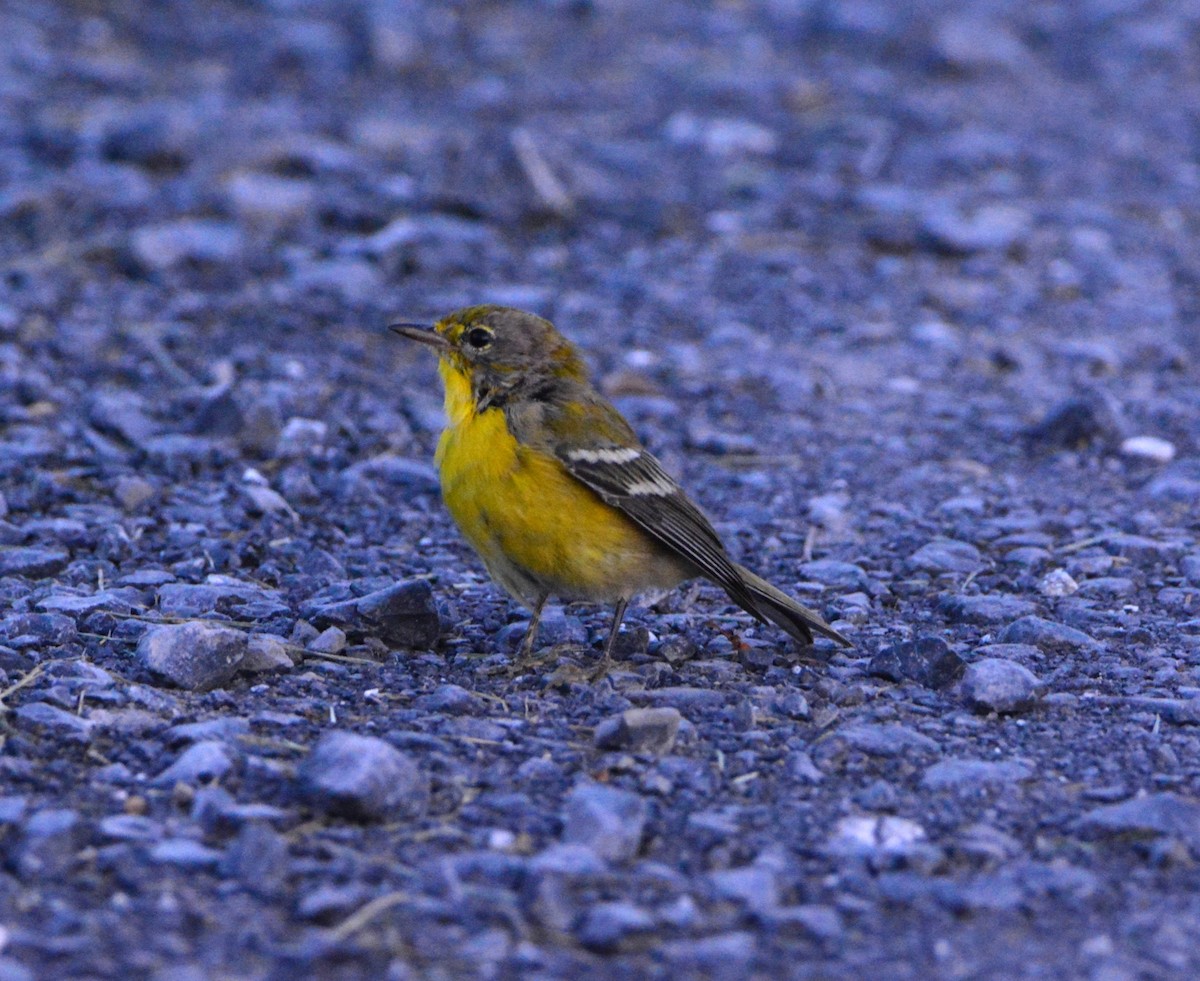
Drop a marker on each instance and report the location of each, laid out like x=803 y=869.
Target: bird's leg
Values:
x=606 y=660
x=526 y=648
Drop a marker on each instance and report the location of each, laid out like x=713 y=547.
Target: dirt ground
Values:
x=907 y=295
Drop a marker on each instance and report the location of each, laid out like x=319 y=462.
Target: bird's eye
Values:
x=479 y=337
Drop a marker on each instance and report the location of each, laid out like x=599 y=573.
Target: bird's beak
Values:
x=422 y=334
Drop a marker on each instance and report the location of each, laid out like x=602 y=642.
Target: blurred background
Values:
x=950 y=217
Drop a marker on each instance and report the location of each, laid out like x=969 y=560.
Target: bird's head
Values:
x=497 y=351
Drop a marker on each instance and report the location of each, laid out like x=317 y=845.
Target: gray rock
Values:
x=33 y=562
x=266 y=652
x=565 y=859
x=608 y=821
x=927 y=661
x=983 y=610
x=676 y=649
x=1045 y=634
x=184 y=853
x=449 y=699
x=974 y=773
x=404 y=615
x=186 y=240
x=224 y=728
x=800 y=766
x=682 y=697
x=998 y=685
x=56 y=721
x=640 y=730
x=605 y=925
x=180 y=599
x=49 y=842
x=197 y=656
x=363 y=778
x=132 y=492
x=753 y=886
x=1107 y=587
x=258 y=860
x=202 y=761
x=946 y=555
x=889 y=739
x=1164 y=813
x=48 y=629
x=720 y=957
x=834 y=573
x=130 y=827
x=123 y=599
x=331 y=640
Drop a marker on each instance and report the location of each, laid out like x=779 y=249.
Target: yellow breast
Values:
x=539 y=530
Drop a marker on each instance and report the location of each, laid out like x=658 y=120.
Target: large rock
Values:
x=197 y=655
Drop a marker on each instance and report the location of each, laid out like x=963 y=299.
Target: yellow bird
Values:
x=552 y=488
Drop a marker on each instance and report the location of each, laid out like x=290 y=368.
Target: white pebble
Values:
x=1151 y=448
x=1057 y=582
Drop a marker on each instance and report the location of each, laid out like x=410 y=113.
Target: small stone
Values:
x=266 y=652
x=887 y=739
x=997 y=685
x=640 y=730
x=926 y=661
x=202 y=761
x=197 y=656
x=1164 y=813
x=1057 y=582
x=184 y=853
x=33 y=562
x=990 y=227
x=830 y=572
x=605 y=925
x=258 y=859
x=676 y=649
x=608 y=821
x=404 y=615
x=1108 y=588
x=363 y=778
x=974 y=773
x=946 y=555
x=983 y=610
x=56 y=721
x=800 y=767
x=753 y=886
x=720 y=957
x=1151 y=448
x=1076 y=424
x=301 y=438
x=1189 y=565
x=186 y=240
x=331 y=640
x=1045 y=634
x=48 y=844
x=868 y=836
x=132 y=492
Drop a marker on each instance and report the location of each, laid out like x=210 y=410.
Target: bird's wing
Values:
x=599 y=449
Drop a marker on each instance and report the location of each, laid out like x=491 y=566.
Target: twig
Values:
x=365 y=914
x=549 y=189
x=27 y=678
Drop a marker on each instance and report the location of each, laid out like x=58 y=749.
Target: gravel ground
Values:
x=906 y=294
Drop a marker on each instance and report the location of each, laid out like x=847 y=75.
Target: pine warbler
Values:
x=551 y=487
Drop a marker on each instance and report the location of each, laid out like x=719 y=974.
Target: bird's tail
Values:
x=777 y=606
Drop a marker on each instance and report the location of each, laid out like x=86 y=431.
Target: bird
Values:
x=552 y=488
